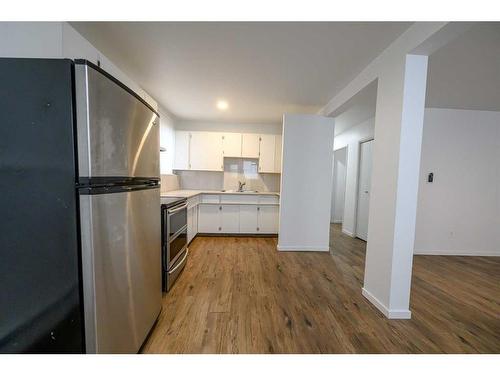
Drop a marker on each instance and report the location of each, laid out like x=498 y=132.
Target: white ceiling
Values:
x=465 y=73
x=261 y=69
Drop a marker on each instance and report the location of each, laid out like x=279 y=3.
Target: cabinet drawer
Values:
x=269 y=199
x=210 y=198
x=239 y=199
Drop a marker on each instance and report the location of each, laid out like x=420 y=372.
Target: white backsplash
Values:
x=235 y=169
x=169 y=182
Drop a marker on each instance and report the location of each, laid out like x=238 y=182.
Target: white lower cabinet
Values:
x=268 y=219
x=192 y=223
x=230 y=218
x=234 y=218
x=248 y=219
x=209 y=218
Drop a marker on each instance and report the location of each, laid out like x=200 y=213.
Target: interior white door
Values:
x=365 y=177
x=339 y=184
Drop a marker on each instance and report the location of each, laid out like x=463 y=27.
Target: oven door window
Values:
x=176 y=221
x=177 y=245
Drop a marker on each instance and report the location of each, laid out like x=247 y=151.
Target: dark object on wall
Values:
x=430 y=177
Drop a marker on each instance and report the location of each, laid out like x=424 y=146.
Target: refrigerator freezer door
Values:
x=118 y=135
x=121 y=255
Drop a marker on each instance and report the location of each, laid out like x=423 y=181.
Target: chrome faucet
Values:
x=240 y=186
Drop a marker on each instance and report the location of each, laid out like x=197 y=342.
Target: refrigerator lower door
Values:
x=121 y=255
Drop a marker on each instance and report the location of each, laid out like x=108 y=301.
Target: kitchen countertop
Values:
x=193 y=193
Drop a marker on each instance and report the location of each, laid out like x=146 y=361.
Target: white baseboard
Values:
x=350 y=234
x=458 y=253
x=391 y=314
x=302 y=248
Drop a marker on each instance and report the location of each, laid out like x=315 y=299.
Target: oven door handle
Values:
x=177 y=234
x=173 y=211
x=179 y=263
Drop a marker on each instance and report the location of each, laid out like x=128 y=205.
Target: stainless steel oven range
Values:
x=174 y=239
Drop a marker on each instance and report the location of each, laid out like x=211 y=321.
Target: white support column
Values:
x=393 y=202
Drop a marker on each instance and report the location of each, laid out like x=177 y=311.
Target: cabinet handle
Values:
x=258 y=208
x=220 y=228
x=220 y=208
x=258 y=229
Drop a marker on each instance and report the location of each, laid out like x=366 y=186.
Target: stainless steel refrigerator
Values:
x=81 y=266
x=119 y=173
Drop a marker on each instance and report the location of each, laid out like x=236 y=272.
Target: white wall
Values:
x=31 y=39
x=229 y=127
x=339 y=185
x=459 y=213
x=58 y=40
x=351 y=139
x=167 y=141
x=306 y=183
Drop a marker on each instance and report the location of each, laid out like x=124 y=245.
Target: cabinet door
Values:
x=248 y=219
x=190 y=225
x=250 y=146
x=205 y=151
x=230 y=218
x=181 y=157
x=267 y=151
x=277 y=155
x=195 y=221
x=268 y=219
x=209 y=218
x=231 y=145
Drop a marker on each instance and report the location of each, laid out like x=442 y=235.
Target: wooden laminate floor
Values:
x=240 y=295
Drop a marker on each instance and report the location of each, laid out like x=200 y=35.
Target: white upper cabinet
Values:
x=267 y=153
x=231 y=145
x=181 y=158
x=277 y=155
x=205 y=151
x=250 y=146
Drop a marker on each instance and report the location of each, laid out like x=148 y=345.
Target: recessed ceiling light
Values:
x=222 y=105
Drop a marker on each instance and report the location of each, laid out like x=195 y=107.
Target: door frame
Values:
x=360 y=142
